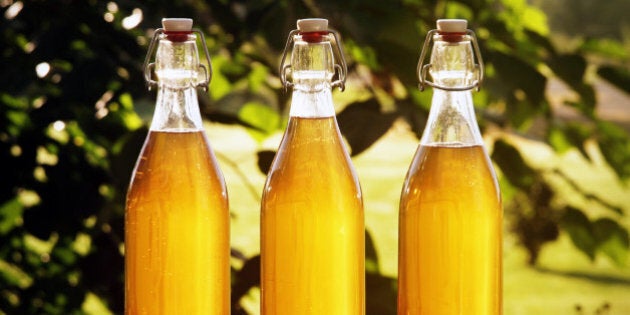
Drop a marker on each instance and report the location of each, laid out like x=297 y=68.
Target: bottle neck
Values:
x=176 y=110
x=312 y=72
x=177 y=64
x=452 y=120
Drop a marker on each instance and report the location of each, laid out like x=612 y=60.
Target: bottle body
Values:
x=450 y=234
x=177 y=216
x=312 y=222
x=177 y=229
x=450 y=219
x=312 y=231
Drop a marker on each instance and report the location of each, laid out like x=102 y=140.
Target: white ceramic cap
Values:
x=312 y=25
x=177 y=24
x=452 y=25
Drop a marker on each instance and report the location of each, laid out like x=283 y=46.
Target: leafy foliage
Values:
x=603 y=234
x=73 y=101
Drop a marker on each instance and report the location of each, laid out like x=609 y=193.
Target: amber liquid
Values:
x=450 y=234
x=177 y=229
x=312 y=230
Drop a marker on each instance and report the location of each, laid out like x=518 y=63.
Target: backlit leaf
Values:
x=259 y=116
x=606 y=47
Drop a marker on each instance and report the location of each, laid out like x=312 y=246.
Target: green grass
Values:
x=563 y=279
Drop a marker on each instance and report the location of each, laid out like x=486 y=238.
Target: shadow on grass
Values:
x=604 y=279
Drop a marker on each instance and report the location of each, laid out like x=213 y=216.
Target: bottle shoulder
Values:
x=464 y=169
x=178 y=156
x=312 y=153
x=313 y=139
x=176 y=169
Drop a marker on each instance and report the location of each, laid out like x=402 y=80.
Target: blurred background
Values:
x=554 y=110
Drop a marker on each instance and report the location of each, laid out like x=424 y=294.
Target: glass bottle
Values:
x=312 y=224
x=450 y=224
x=176 y=216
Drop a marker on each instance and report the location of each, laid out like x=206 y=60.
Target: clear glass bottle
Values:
x=450 y=224
x=176 y=216
x=312 y=224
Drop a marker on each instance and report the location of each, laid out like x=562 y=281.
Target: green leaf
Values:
x=13 y=102
x=18 y=121
x=605 y=47
x=512 y=165
x=617 y=76
x=259 y=116
x=257 y=77
x=519 y=14
x=522 y=85
x=570 y=135
x=10 y=215
x=382 y=289
x=541 y=41
x=414 y=111
x=613 y=240
x=569 y=67
x=363 y=55
x=126 y=101
x=128 y=116
x=246 y=278
x=534 y=19
x=12 y=275
x=559 y=141
x=381 y=25
x=614 y=144
x=363 y=124
x=458 y=10
x=265 y=158
x=579 y=228
x=587 y=102
x=220 y=85
x=65 y=255
x=231 y=109
x=603 y=235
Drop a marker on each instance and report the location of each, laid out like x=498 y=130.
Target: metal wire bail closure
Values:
x=149 y=66
x=341 y=69
x=423 y=69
